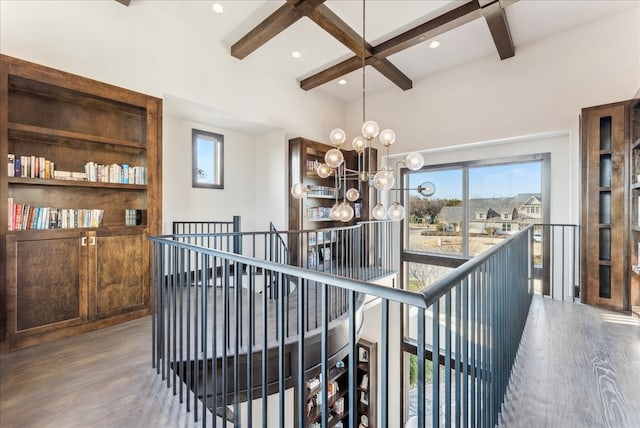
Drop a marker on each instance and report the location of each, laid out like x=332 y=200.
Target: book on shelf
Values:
x=31 y=166
x=134 y=217
x=115 y=173
x=11 y=167
x=27 y=217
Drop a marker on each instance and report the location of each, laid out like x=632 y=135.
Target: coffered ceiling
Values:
x=398 y=34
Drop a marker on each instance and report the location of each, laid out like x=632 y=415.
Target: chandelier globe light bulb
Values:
x=387 y=137
x=379 y=212
x=383 y=180
x=396 y=211
x=335 y=212
x=337 y=137
x=334 y=158
x=370 y=130
x=324 y=170
x=346 y=212
x=414 y=161
x=359 y=144
x=298 y=190
x=353 y=194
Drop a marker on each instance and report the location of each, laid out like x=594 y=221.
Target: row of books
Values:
x=115 y=173
x=26 y=217
x=30 y=167
x=40 y=167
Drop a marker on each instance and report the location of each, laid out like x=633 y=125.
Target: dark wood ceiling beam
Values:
x=334 y=25
x=427 y=30
x=497 y=21
x=279 y=20
x=375 y=55
x=391 y=72
x=325 y=76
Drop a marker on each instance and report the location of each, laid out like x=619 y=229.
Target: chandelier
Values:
x=383 y=179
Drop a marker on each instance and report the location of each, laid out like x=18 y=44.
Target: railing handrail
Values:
x=447 y=282
x=274 y=231
x=395 y=294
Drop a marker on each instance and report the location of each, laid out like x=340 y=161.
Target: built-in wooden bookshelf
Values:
x=367 y=390
x=337 y=393
x=313 y=211
x=61 y=281
x=610 y=205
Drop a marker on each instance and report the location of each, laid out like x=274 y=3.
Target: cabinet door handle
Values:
x=92 y=240
x=83 y=241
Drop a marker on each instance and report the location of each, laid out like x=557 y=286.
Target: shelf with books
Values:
x=81 y=126
x=337 y=395
x=73 y=183
x=367 y=386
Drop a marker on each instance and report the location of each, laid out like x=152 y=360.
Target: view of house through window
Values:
x=474 y=207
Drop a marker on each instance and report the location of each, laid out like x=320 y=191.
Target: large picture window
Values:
x=207 y=168
x=475 y=206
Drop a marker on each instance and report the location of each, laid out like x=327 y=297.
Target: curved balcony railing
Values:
x=242 y=333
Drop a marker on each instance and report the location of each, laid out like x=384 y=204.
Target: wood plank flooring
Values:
x=98 y=379
x=577 y=366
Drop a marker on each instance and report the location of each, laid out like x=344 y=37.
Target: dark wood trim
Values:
x=441 y=24
x=499 y=28
x=429 y=29
x=275 y=23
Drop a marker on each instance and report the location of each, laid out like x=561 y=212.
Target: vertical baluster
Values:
x=281 y=350
x=447 y=360
x=464 y=404
x=384 y=349
x=301 y=389
x=420 y=355
x=435 y=367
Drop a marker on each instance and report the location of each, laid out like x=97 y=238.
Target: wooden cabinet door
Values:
x=46 y=287
x=604 y=210
x=119 y=265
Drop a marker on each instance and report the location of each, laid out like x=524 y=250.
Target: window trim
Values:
x=217 y=140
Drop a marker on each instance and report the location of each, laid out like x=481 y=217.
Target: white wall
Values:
x=183 y=202
x=271 y=181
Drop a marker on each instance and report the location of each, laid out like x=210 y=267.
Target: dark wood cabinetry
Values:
x=61 y=281
x=634 y=281
x=313 y=211
x=338 y=396
x=367 y=383
x=609 y=207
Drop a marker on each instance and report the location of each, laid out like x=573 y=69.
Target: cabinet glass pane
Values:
x=605 y=244
x=605 y=282
x=605 y=171
x=605 y=133
x=605 y=208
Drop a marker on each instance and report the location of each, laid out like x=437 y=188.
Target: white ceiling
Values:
x=528 y=20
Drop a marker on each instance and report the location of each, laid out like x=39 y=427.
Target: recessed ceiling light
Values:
x=434 y=44
x=295 y=54
x=217 y=8
x=342 y=82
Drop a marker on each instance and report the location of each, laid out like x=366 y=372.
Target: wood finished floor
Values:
x=577 y=366
x=101 y=379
